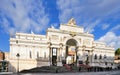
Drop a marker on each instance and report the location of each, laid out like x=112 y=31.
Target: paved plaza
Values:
x=77 y=73
x=81 y=73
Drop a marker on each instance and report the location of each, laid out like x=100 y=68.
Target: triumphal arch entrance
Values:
x=71 y=51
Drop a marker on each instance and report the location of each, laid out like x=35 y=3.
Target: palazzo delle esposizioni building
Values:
x=69 y=43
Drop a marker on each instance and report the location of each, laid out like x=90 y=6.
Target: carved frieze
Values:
x=86 y=42
x=55 y=38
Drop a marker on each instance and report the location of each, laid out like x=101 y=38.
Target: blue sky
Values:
x=99 y=17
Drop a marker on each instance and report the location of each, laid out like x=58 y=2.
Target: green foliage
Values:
x=117 y=52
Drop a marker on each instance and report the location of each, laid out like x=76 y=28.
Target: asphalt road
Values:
x=77 y=73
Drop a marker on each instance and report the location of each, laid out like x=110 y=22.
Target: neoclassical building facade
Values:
x=69 y=43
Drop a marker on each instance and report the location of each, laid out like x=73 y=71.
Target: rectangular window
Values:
x=54 y=51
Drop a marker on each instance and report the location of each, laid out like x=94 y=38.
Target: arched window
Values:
x=95 y=56
x=105 y=56
x=37 y=54
x=105 y=63
x=30 y=54
x=100 y=57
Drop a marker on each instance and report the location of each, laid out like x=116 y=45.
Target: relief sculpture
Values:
x=86 y=42
x=55 y=37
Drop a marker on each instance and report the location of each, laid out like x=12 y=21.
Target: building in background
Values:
x=69 y=43
x=117 y=61
x=3 y=62
x=1 y=55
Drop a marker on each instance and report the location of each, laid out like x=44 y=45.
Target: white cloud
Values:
x=90 y=26
x=23 y=16
x=116 y=28
x=111 y=39
x=105 y=26
x=87 y=12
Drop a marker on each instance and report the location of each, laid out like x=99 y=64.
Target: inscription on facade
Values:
x=55 y=38
x=86 y=42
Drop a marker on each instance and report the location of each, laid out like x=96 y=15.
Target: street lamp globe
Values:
x=18 y=55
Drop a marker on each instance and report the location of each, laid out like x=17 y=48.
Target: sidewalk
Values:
x=1 y=73
x=116 y=72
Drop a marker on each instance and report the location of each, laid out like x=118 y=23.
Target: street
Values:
x=81 y=73
x=117 y=72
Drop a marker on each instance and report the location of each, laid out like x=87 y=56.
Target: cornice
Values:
x=105 y=48
x=68 y=32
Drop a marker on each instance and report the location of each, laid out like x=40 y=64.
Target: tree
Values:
x=117 y=52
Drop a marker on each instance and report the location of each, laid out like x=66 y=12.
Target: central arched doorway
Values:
x=71 y=53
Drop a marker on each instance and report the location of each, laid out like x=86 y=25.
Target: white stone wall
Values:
x=23 y=64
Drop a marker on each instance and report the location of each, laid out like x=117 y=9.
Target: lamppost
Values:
x=18 y=55
x=105 y=60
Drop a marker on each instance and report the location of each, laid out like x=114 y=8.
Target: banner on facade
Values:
x=71 y=50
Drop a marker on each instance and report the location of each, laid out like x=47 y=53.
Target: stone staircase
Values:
x=47 y=69
x=57 y=69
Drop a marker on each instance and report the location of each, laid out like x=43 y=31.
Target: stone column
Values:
x=58 y=54
x=90 y=57
x=60 y=50
x=76 y=54
x=63 y=53
x=33 y=52
x=83 y=55
x=50 y=53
